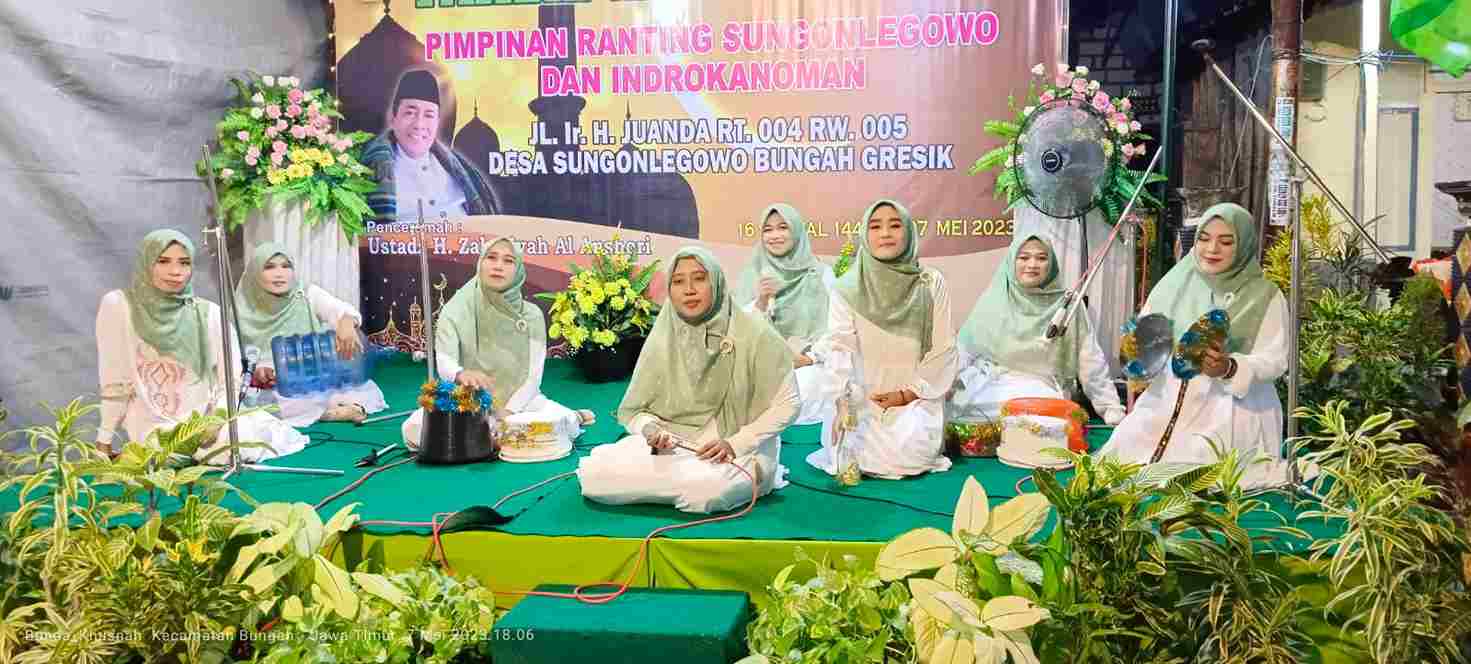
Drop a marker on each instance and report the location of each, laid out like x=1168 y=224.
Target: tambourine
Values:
x=1210 y=330
x=1145 y=349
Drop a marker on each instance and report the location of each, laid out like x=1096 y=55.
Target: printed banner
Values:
x=654 y=124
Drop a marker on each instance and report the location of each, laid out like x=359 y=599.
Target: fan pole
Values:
x=1070 y=300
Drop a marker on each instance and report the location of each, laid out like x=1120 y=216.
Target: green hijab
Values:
x=264 y=315
x=890 y=294
x=799 y=308
x=1009 y=322
x=1185 y=293
x=495 y=327
x=172 y=323
x=725 y=365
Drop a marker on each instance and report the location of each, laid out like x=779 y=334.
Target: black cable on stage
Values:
x=874 y=499
x=329 y=437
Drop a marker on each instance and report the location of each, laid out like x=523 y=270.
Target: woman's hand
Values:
x=657 y=437
x=265 y=376
x=893 y=399
x=1215 y=362
x=474 y=379
x=348 y=344
x=717 y=451
x=802 y=361
x=765 y=290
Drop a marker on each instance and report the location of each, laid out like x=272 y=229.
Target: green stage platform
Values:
x=558 y=537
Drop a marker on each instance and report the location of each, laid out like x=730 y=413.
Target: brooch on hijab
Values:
x=521 y=325
x=726 y=346
x=925 y=277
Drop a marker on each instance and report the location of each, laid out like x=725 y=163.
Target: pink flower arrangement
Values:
x=279 y=139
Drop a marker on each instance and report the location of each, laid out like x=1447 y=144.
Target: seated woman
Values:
x=1004 y=350
x=712 y=378
x=888 y=355
x=489 y=337
x=159 y=357
x=271 y=303
x=1233 y=403
x=788 y=285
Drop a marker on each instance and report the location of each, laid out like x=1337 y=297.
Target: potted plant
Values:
x=604 y=314
x=287 y=176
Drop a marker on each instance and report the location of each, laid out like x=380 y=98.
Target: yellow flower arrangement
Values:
x=603 y=304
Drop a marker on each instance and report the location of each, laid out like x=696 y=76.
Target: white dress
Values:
x=1243 y=413
x=526 y=399
x=814 y=410
x=627 y=472
x=143 y=390
x=860 y=359
x=982 y=386
x=303 y=410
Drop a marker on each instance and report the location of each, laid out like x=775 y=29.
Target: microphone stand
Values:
x=1294 y=377
x=431 y=362
x=1070 y=300
x=227 y=336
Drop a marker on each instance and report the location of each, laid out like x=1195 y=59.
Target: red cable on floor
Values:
x=580 y=592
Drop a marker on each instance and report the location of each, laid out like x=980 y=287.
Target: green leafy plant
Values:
x=133 y=560
x=85 y=586
x=1397 y=568
x=969 y=607
x=605 y=303
x=1372 y=358
x=841 y=614
x=1245 y=607
x=278 y=141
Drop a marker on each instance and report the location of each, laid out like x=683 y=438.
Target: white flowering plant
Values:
x=1072 y=85
x=280 y=140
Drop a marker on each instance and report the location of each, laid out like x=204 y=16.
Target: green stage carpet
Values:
x=813 y=507
x=557 y=537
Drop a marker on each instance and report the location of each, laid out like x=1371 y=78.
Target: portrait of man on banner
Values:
x=412 y=164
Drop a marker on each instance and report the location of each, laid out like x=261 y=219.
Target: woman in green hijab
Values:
x=888 y=356
x=489 y=336
x=788 y=285
x=159 y=355
x=713 y=388
x=1233 y=403
x=271 y=302
x=1004 y=352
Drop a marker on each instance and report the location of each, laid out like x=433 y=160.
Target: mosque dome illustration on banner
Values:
x=369 y=71
x=476 y=140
